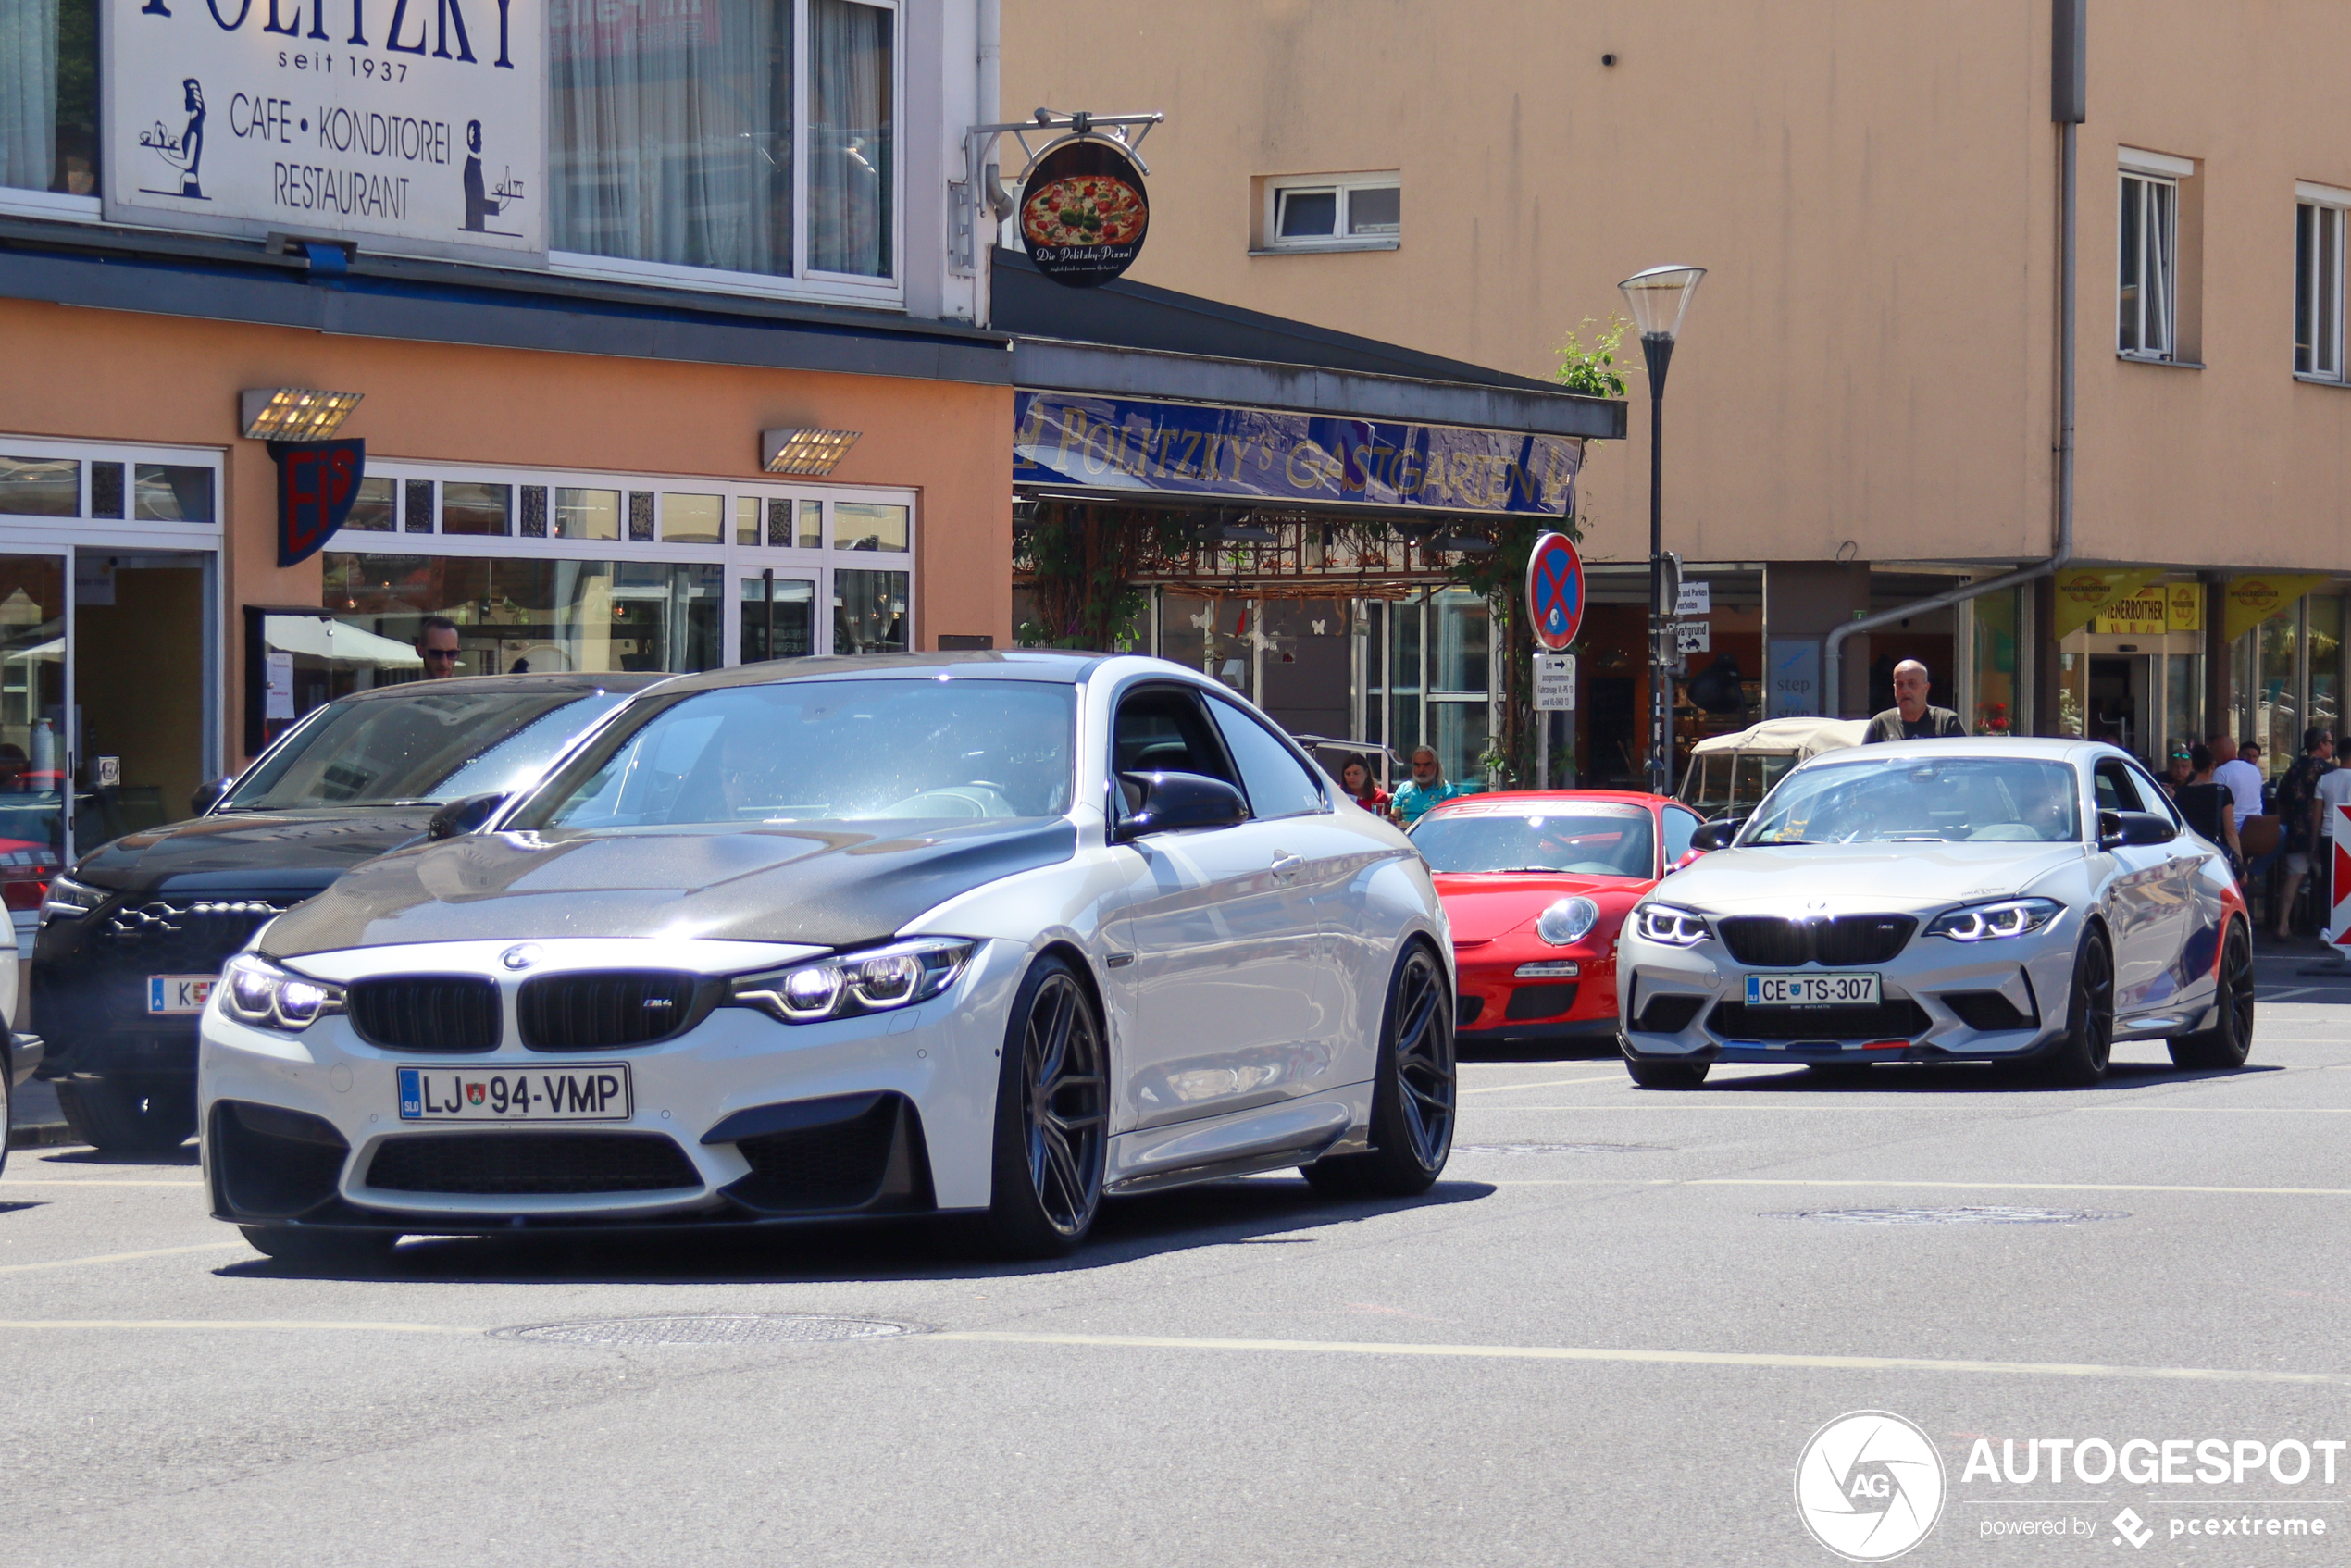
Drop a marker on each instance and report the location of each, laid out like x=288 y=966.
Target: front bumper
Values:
x=738 y=1120
x=1688 y=1004
x=91 y=973
x=1494 y=1004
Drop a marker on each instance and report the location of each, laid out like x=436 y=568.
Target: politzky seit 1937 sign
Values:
x=417 y=120
x=1083 y=213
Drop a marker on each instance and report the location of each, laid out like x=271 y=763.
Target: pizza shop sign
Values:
x=1083 y=212
x=417 y=122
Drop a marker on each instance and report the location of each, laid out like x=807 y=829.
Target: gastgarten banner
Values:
x=1184 y=449
x=419 y=123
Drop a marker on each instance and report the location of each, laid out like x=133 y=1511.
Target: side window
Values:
x=2152 y=798
x=1162 y=729
x=1277 y=782
x=1679 y=825
x=2116 y=792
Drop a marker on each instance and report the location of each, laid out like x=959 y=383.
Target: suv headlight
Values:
x=70 y=900
x=851 y=983
x=1567 y=922
x=1671 y=924
x=254 y=990
x=1983 y=922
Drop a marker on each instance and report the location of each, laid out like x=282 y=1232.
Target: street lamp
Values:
x=1659 y=298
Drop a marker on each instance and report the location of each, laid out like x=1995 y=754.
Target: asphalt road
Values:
x=1606 y=1338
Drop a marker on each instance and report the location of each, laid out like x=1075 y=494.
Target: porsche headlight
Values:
x=1984 y=922
x=1567 y=922
x=851 y=983
x=1670 y=925
x=256 y=991
x=70 y=900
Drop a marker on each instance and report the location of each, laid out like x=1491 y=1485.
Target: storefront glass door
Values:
x=33 y=749
x=777 y=613
x=139 y=633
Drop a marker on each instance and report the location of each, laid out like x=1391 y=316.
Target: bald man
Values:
x=1910 y=718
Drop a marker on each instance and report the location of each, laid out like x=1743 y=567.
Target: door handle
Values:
x=1287 y=866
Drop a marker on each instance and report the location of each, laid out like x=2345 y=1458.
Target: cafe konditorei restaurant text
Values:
x=1192 y=449
x=417 y=122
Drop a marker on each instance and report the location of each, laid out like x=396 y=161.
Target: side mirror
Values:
x=1715 y=834
x=2117 y=828
x=462 y=816
x=208 y=795
x=1171 y=802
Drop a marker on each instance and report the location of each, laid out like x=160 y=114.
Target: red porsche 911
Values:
x=1535 y=884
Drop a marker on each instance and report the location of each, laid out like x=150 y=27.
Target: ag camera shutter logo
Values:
x=1869 y=1486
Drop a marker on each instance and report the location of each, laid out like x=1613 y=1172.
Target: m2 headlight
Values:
x=256 y=991
x=847 y=984
x=1670 y=925
x=1986 y=922
x=1567 y=922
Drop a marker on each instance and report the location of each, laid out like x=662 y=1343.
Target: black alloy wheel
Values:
x=2230 y=1039
x=1414 y=1091
x=2079 y=1058
x=1053 y=1105
x=138 y=1114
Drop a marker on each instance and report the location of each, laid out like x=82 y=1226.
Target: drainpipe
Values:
x=993 y=199
x=2069 y=92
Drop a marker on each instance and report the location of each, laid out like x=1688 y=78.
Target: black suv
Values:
x=134 y=936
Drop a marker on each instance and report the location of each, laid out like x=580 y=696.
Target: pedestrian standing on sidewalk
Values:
x=2298 y=815
x=1362 y=785
x=437 y=645
x=1424 y=788
x=2240 y=777
x=2208 y=809
x=1910 y=718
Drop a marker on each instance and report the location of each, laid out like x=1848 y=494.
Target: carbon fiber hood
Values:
x=830 y=884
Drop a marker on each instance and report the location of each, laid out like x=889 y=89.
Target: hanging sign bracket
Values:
x=980 y=197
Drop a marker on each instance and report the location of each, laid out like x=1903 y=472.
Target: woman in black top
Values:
x=2207 y=806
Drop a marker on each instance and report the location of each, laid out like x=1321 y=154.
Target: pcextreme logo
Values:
x=1869 y=1486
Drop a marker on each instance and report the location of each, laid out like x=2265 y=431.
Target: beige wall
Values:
x=1872 y=187
x=173 y=380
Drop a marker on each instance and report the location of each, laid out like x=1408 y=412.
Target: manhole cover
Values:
x=729 y=1328
x=1559 y=1148
x=1979 y=1215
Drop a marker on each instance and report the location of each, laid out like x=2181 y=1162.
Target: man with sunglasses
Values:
x=437 y=645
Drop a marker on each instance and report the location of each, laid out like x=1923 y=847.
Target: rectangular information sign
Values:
x=1554 y=683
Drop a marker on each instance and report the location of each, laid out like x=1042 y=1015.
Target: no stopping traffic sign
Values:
x=1555 y=590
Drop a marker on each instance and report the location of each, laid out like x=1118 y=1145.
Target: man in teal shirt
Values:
x=1424 y=788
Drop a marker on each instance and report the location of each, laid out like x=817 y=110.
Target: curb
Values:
x=40 y=1135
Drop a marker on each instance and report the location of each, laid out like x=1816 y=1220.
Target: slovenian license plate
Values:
x=1812 y=990
x=179 y=993
x=535 y=1094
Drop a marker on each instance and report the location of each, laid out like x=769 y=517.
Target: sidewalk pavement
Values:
x=34 y=1121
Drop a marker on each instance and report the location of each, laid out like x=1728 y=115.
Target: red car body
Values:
x=1494 y=912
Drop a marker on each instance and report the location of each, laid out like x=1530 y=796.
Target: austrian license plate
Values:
x=179 y=993
x=1812 y=990
x=534 y=1094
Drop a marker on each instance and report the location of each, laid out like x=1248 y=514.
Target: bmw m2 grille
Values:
x=1771 y=941
x=453 y=1014
x=509 y=1162
x=601 y=1011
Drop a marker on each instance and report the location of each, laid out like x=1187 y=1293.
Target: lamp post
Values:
x=1658 y=299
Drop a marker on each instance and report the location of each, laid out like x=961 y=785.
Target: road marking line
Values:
x=2281 y=996
x=1678 y=1358
x=1955 y=1186
x=83 y=1181
x=241 y=1325
x=119 y=1257
x=1550 y=1083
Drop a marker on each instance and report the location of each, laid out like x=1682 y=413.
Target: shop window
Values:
x=172 y=492
x=372 y=508
x=49 y=95
x=2277 y=719
x=2318 y=287
x=749 y=511
x=674 y=134
x=2325 y=635
x=812 y=526
x=869 y=612
x=2148 y=260
x=1321 y=212
x=532 y=616
x=692 y=519
x=587 y=513
x=41 y=487
x=859 y=525
x=778 y=616
x=106 y=488
x=1993 y=642
x=470 y=508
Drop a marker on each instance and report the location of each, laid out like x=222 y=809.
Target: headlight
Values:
x=1567 y=922
x=255 y=991
x=851 y=983
x=1982 y=922
x=70 y=900
x=1671 y=924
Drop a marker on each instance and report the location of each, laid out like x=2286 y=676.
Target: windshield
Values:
x=441 y=743
x=1593 y=840
x=1903 y=799
x=824 y=750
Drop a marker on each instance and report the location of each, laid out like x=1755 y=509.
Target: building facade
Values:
x=1864 y=407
